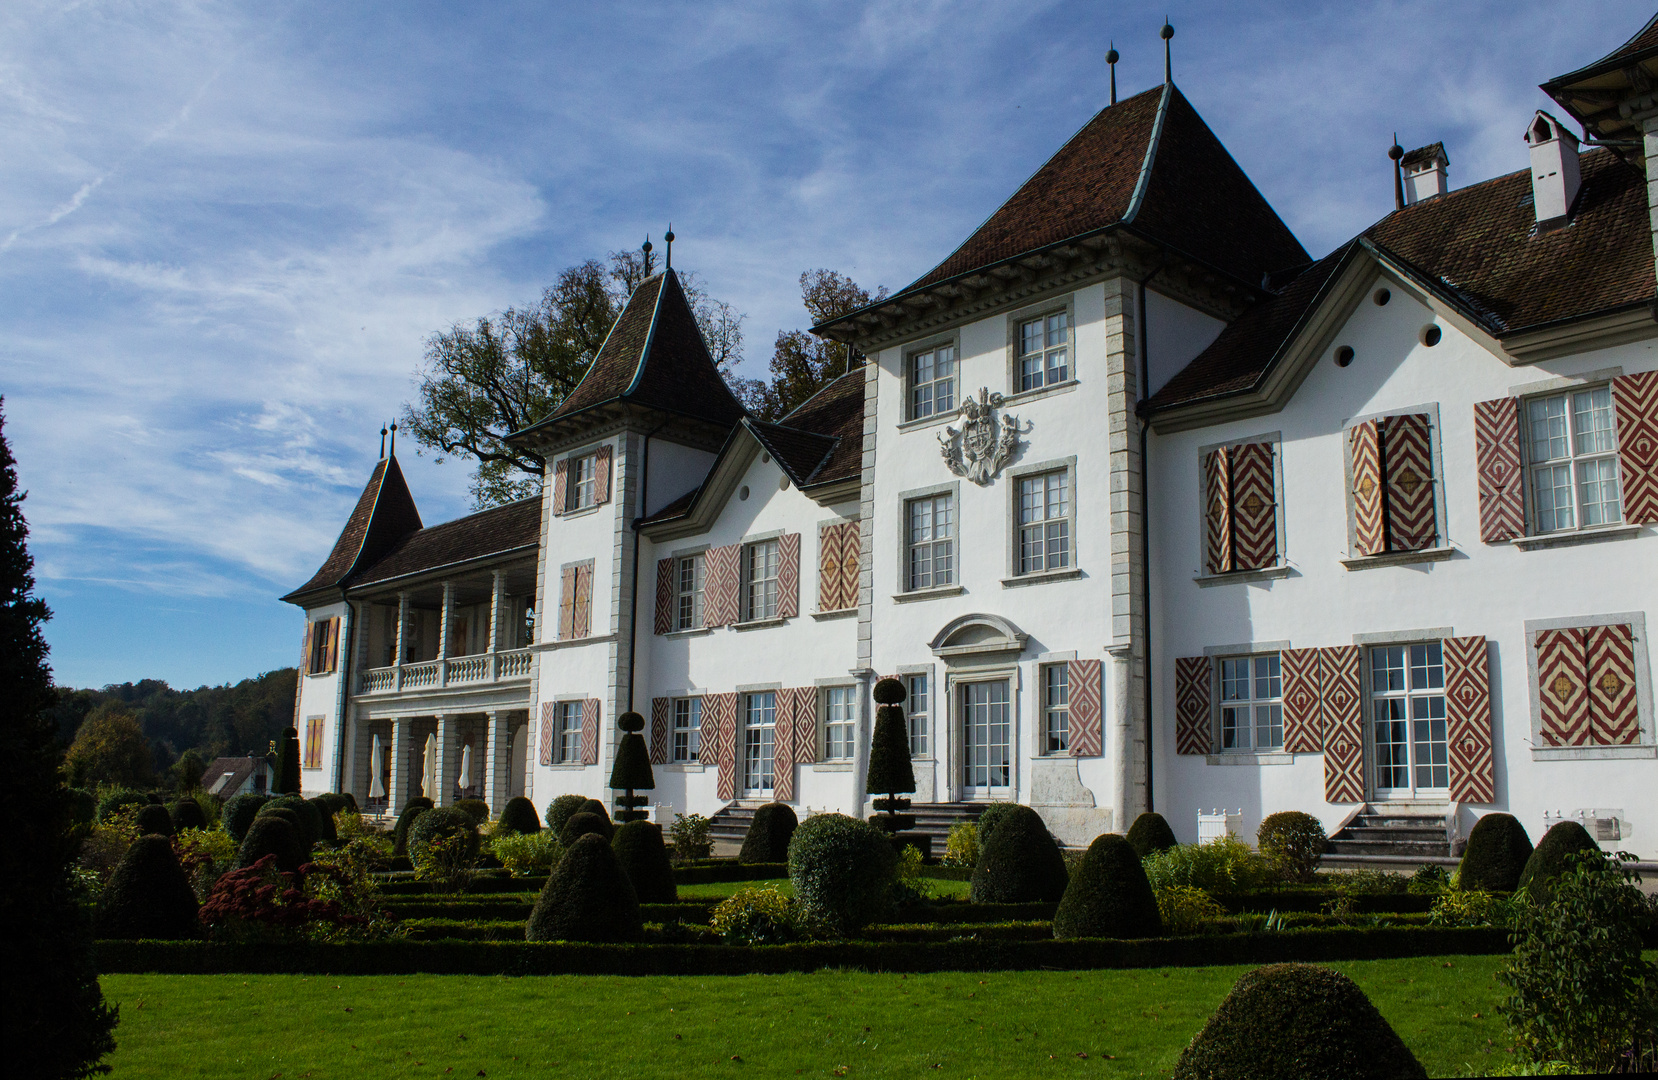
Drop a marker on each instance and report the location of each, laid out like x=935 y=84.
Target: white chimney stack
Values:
x=1425 y=169
x=1554 y=170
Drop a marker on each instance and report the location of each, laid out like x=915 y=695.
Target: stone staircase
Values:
x=730 y=825
x=1392 y=834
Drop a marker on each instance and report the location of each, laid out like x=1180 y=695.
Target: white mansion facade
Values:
x=1147 y=507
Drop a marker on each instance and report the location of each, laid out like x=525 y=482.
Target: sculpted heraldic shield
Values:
x=983 y=444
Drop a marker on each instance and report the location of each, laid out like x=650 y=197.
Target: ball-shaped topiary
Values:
x=116 y=801
x=1149 y=833
x=594 y=806
x=1020 y=863
x=1549 y=860
x=644 y=857
x=148 y=896
x=583 y=823
x=588 y=897
x=518 y=816
x=310 y=818
x=1108 y=895
x=286 y=813
x=239 y=813
x=1297 y=1020
x=560 y=810
x=186 y=814
x=1292 y=844
x=1496 y=855
x=842 y=869
x=476 y=807
x=273 y=834
x=444 y=821
x=989 y=818
x=400 y=831
x=769 y=834
x=153 y=819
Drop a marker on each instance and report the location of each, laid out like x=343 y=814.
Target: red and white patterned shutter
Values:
x=851 y=553
x=1303 y=673
x=561 y=484
x=782 y=762
x=1635 y=399
x=1364 y=447
x=581 y=613
x=1407 y=456
x=567 y=603
x=661 y=721
x=805 y=724
x=665 y=594
x=1254 y=508
x=788 y=575
x=544 y=752
x=1343 y=724
x=719 y=603
x=1497 y=461
x=1614 y=719
x=722 y=710
x=1191 y=705
x=829 y=568
x=590 y=731
x=1562 y=686
x=1087 y=708
x=601 y=474
x=1217 y=513
x=1468 y=720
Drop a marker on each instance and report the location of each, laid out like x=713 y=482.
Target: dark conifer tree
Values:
x=286 y=781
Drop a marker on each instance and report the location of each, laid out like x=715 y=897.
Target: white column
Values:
x=397 y=643
x=495 y=761
x=398 y=793
x=444 y=618
x=497 y=608
x=448 y=763
x=1119 y=741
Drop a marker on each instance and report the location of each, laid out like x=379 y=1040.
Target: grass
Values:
x=830 y=1023
x=719 y=890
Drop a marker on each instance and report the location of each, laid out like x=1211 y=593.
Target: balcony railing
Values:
x=480 y=670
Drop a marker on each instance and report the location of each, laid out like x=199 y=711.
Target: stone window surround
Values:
x=905 y=420
x=953 y=489
x=1648 y=745
x=1049 y=306
x=956 y=675
x=1215 y=653
x=905 y=671
x=1038 y=748
x=1278 y=569
x=1577 y=534
x=1014 y=476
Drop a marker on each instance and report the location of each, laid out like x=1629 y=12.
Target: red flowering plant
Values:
x=260 y=903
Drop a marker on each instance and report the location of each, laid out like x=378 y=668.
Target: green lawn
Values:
x=719 y=890
x=830 y=1023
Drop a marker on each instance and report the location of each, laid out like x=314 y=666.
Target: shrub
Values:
x=644 y=858
x=400 y=832
x=631 y=771
x=206 y=855
x=1497 y=850
x=310 y=818
x=271 y=834
x=961 y=845
x=561 y=809
x=477 y=808
x=1292 y=843
x=443 y=845
x=518 y=816
x=580 y=824
x=890 y=773
x=323 y=816
x=691 y=838
x=526 y=853
x=239 y=813
x=989 y=818
x=1429 y=880
x=769 y=834
x=1019 y=863
x=83 y=807
x=1552 y=858
x=1468 y=907
x=331 y=803
x=1149 y=833
x=149 y=896
x=154 y=820
x=757 y=916
x=1370 y=882
x=842 y=870
x=1184 y=909
x=588 y=897
x=286 y=814
x=261 y=903
x=1220 y=866
x=186 y=814
x=1108 y=895
x=118 y=800
x=1580 y=990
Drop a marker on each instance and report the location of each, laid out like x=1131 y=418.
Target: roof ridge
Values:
x=593 y=364
x=824 y=389
x=650 y=335
x=1144 y=179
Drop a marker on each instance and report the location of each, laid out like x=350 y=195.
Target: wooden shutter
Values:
x=666 y=594
x=1497 y=462
x=1217 y=515
x=1364 y=442
x=561 y=484
x=601 y=474
x=805 y=724
x=1468 y=716
x=567 y=603
x=1562 y=686
x=1254 y=507
x=1407 y=458
x=544 y=753
x=782 y=761
x=1303 y=673
x=720 y=710
x=331 y=654
x=590 y=731
x=581 y=612
x=662 y=721
x=788 y=575
x=829 y=568
x=719 y=598
x=305 y=649
x=852 y=546
x=1343 y=724
x=1635 y=400
x=1614 y=719
x=1087 y=707
x=1191 y=705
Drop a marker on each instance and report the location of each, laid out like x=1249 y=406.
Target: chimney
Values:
x=1554 y=170
x=1425 y=172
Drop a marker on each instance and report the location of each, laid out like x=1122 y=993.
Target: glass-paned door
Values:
x=987 y=743
x=759 y=746
x=1409 y=753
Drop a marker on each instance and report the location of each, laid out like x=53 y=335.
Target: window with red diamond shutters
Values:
x=719 y=590
x=1241 y=513
x=1468 y=716
x=837 y=568
x=590 y=731
x=1085 y=681
x=561 y=484
x=1191 y=705
x=567 y=603
x=544 y=752
x=1635 y=400
x=1391 y=462
x=788 y=575
x=1323 y=714
x=1497 y=461
x=601 y=474
x=783 y=745
x=1586 y=686
x=665 y=595
x=1303 y=672
x=661 y=721
x=581 y=610
x=719 y=712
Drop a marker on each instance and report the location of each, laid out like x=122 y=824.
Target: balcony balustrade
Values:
x=483 y=669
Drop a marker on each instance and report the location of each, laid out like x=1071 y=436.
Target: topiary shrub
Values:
x=119 y=800
x=1496 y=855
x=326 y=832
x=644 y=857
x=443 y=821
x=594 y=806
x=443 y=846
x=757 y=915
x=273 y=834
x=518 y=816
x=186 y=814
x=769 y=835
x=148 y=896
x=991 y=816
x=286 y=813
x=310 y=818
x=1149 y=833
x=154 y=820
x=890 y=772
x=585 y=822
x=561 y=809
x=400 y=832
x=632 y=769
x=1184 y=909
x=1551 y=858
x=1297 y=1020
x=350 y=802
x=477 y=808
x=331 y=803
x=1019 y=863
x=843 y=870
x=1292 y=843
x=588 y=897
x=239 y=813
x=1108 y=894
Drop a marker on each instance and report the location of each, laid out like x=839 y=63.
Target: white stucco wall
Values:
x=319 y=695
x=1175 y=334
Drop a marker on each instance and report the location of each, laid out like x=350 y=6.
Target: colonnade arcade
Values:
x=444 y=757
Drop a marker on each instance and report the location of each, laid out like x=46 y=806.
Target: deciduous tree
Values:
x=109 y=748
x=802 y=363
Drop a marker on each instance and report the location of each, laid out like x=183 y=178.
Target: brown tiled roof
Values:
x=512 y=527
x=216 y=781
x=798 y=452
x=676 y=509
x=385 y=514
x=1425 y=154
x=836 y=411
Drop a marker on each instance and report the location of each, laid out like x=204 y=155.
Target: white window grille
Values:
x=932 y=377
x=1573 y=460
x=759 y=740
x=1251 y=703
x=579 y=492
x=688 y=583
x=1056 y=708
x=1044 y=351
x=1044 y=522
x=840 y=723
x=760 y=562
x=917 y=701
x=568 y=743
x=687 y=743
x=1408 y=736
x=932 y=541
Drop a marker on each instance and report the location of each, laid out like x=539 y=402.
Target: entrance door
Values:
x=986 y=731
x=1409 y=753
x=759 y=746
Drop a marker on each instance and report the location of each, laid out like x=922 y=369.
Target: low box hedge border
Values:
x=1313 y=900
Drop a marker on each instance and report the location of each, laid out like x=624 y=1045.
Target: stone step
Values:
x=1432 y=834
x=1412 y=848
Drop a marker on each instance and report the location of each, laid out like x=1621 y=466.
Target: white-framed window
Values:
x=688 y=583
x=1572 y=459
x=579 y=491
x=1407 y=717
x=916 y=685
x=1251 y=703
x=1044 y=351
x=687 y=733
x=1056 y=708
x=760 y=563
x=840 y=723
x=932 y=541
x=1044 y=522
x=932 y=382
x=567 y=744
x=759 y=740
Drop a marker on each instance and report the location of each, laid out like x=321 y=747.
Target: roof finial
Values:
x=382 y=442
x=1111 y=60
x=669 y=237
x=647 y=252
x=1168 y=67
x=1396 y=152
x=394 y=438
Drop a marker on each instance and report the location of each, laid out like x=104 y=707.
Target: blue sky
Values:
x=226 y=228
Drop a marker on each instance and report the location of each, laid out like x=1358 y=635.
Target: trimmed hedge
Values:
x=326 y=833
x=273 y=834
x=561 y=810
x=475 y=807
x=586 y=822
x=842 y=870
x=1550 y=860
x=154 y=820
x=1496 y=855
x=239 y=813
x=148 y=896
x=445 y=821
x=644 y=858
x=1315 y=899
x=1108 y=895
x=991 y=817
x=1019 y=862
x=1150 y=832
x=518 y=816
x=587 y=898
x=186 y=814
x=400 y=832
x=769 y=834
x=310 y=818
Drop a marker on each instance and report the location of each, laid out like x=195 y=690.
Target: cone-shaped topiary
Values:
x=1108 y=895
x=400 y=831
x=1496 y=855
x=1297 y=1020
x=186 y=814
x=583 y=823
x=148 y=896
x=286 y=780
x=588 y=897
x=476 y=807
x=1020 y=863
x=890 y=773
x=310 y=818
x=769 y=835
x=330 y=803
x=326 y=833
x=153 y=819
x=594 y=806
x=444 y=821
x=286 y=813
x=1549 y=860
x=644 y=857
x=988 y=820
x=1150 y=833
x=518 y=816
x=842 y=870
x=239 y=813
x=272 y=834
x=632 y=770
x=560 y=810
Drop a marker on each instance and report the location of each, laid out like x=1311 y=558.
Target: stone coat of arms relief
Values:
x=983 y=443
